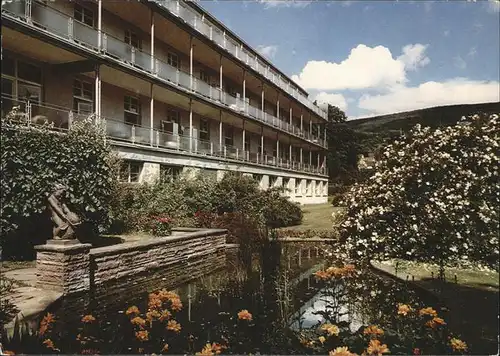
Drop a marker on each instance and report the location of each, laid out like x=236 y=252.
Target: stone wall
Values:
x=76 y=267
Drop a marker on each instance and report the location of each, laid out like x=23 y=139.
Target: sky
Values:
x=376 y=57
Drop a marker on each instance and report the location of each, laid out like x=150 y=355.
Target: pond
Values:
x=281 y=286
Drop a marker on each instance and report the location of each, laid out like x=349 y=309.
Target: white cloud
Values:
x=414 y=56
x=285 y=3
x=493 y=6
x=364 y=68
x=459 y=62
x=472 y=52
x=446 y=33
x=429 y=94
x=267 y=51
x=338 y=100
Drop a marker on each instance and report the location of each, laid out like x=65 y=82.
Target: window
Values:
x=84 y=15
x=247 y=143
x=130 y=171
x=132 y=39
x=204 y=76
x=132 y=110
x=204 y=130
x=169 y=173
x=229 y=136
x=83 y=92
x=297 y=186
x=21 y=80
x=309 y=187
x=173 y=60
x=286 y=184
x=174 y=116
x=272 y=181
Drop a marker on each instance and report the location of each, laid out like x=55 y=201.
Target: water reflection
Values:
x=275 y=283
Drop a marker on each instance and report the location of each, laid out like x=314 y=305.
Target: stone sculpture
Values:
x=66 y=222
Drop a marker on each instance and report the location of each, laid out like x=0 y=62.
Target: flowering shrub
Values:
x=161 y=225
x=433 y=197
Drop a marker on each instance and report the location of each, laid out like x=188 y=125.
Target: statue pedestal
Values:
x=63 y=265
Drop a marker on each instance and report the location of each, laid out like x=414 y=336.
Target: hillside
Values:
x=375 y=130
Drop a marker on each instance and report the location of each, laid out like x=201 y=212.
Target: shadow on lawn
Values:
x=473 y=312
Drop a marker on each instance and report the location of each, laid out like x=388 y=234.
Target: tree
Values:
x=433 y=197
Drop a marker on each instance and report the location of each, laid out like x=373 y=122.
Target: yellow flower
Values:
x=138 y=321
x=174 y=326
x=165 y=315
x=435 y=322
x=176 y=304
x=341 y=351
x=427 y=311
x=165 y=348
x=458 y=345
x=245 y=315
x=307 y=343
x=373 y=330
x=206 y=351
x=377 y=348
x=132 y=310
x=152 y=314
x=404 y=309
x=322 y=339
x=142 y=335
x=87 y=319
x=331 y=329
x=50 y=344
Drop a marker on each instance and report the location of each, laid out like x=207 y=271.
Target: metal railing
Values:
x=61 y=118
x=49 y=19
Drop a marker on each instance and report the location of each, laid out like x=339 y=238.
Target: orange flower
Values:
x=404 y=309
x=377 y=348
x=165 y=295
x=176 y=304
x=206 y=351
x=142 y=335
x=46 y=323
x=322 y=275
x=165 y=348
x=341 y=351
x=154 y=301
x=50 y=344
x=132 y=310
x=174 y=326
x=165 y=315
x=435 y=322
x=458 y=345
x=87 y=319
x=307 y=343
x=330 y=329
x=152 y=314
x=373 y=330
x=427 y=311
x=138 y=321
x=245 y=315
x=7 y=352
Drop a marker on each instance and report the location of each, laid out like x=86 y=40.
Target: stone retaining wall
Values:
x=73 y=268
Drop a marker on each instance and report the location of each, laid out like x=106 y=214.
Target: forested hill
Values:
x=433 y=117
x=375 y=130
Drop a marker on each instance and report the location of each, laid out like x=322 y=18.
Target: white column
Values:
x=262 y=98
x=277 y=150
x=99 y=24
x=220 y=74
x=290 y=152
x=310 y=127
x=325 y=137
x=243 y=144
x=244 y=91
x=290 y=118
x=152 y=42
x=97 y=101
x=191 y=62
x=310 y=158
x=190 y=125
x=261 y=145
x=318 y=159
x=220 y=129
x=151 y=112
x=301 y=122
x=301 y=159
x=278 y=107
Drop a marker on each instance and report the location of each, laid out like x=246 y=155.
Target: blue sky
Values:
x=376 y=57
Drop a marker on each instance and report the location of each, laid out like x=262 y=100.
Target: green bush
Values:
x=35 y=158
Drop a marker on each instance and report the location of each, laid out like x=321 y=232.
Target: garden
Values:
x=429 y=210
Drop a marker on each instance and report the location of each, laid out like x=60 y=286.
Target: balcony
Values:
x=223 y=40
x=146 y=137
x=64 y=26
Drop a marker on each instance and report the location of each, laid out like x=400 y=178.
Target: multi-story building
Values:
x=176 y=89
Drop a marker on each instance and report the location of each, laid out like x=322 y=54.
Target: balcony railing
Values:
x=53 y=21
x=204 y=26
x=62 y=118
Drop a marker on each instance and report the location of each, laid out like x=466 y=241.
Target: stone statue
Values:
x=65 y=220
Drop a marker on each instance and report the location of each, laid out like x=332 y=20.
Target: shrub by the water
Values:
x=33 y=160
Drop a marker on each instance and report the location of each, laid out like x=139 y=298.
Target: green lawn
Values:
x=316 y=217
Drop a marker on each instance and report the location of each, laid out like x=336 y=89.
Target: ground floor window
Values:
x=130 y=171
x=169 y=173
x=297 y=187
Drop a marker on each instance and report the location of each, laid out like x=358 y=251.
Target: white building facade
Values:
x=177 y=90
